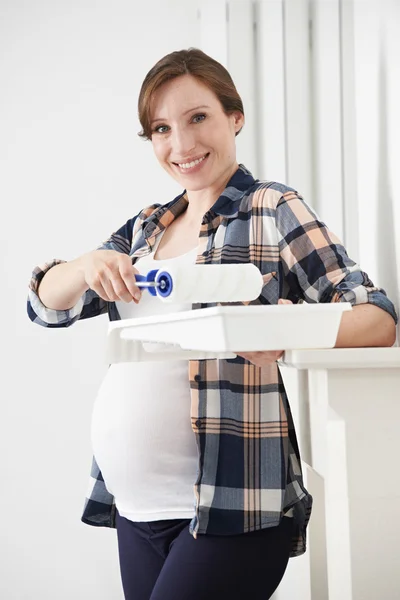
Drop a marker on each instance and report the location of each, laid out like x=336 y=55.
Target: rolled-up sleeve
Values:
x=315 y=263
x=89 y=305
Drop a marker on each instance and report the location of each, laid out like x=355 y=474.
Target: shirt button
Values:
x=197 y=378
x=198 y=423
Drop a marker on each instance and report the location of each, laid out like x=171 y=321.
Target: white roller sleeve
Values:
x=213 y=283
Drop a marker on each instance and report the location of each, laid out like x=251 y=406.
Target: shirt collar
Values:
x=227 y=204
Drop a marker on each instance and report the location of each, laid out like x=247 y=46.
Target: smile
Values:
x=192 y=166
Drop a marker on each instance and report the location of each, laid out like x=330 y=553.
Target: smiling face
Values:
x=193 y=139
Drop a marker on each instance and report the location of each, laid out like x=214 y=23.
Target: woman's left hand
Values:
x=264 y=358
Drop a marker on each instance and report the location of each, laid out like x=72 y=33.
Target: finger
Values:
x=100 y=291
x=262 y=358
x=246 y=355
x=121 y=291
x=118 y=291
x=114 y=286
x=108 y=287
x=284 y=301
x=128 y=273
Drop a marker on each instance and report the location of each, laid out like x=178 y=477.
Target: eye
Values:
x=199 y=118
x=161 y=129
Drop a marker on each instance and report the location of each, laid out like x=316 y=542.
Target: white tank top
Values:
x=141 y=432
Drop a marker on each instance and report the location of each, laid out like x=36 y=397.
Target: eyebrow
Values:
x=185 y=113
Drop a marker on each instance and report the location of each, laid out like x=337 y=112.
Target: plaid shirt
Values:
x=249 y=472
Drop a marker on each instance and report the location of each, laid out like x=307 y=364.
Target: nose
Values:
x=182 y=142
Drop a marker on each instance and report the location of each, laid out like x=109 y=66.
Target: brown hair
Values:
x=188 y=62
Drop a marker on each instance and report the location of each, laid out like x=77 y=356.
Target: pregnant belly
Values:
x=141 y=424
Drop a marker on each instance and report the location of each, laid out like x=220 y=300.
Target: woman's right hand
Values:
x=111 y=275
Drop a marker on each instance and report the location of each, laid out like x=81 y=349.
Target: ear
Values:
x=238 y=120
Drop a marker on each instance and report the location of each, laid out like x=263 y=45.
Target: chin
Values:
x=190 y=183
x=193 y=186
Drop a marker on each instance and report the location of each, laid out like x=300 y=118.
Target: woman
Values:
x=250 y=510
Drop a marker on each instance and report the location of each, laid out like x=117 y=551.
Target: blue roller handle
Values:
x=162 y=284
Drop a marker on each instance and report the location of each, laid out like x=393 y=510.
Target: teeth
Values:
x=191 y=164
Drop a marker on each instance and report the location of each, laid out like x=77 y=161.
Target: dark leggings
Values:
x=160 y=560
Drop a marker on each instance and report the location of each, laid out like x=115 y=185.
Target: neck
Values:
x=200 y=201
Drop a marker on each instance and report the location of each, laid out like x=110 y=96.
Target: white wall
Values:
x=377 y=98
x=356 y=94
x=73 y=171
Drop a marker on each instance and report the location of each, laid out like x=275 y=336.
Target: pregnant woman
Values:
x=196 y=463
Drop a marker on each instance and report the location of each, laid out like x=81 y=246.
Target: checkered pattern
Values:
x=249 y=471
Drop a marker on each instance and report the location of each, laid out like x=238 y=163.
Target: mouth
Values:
x=193 y=166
